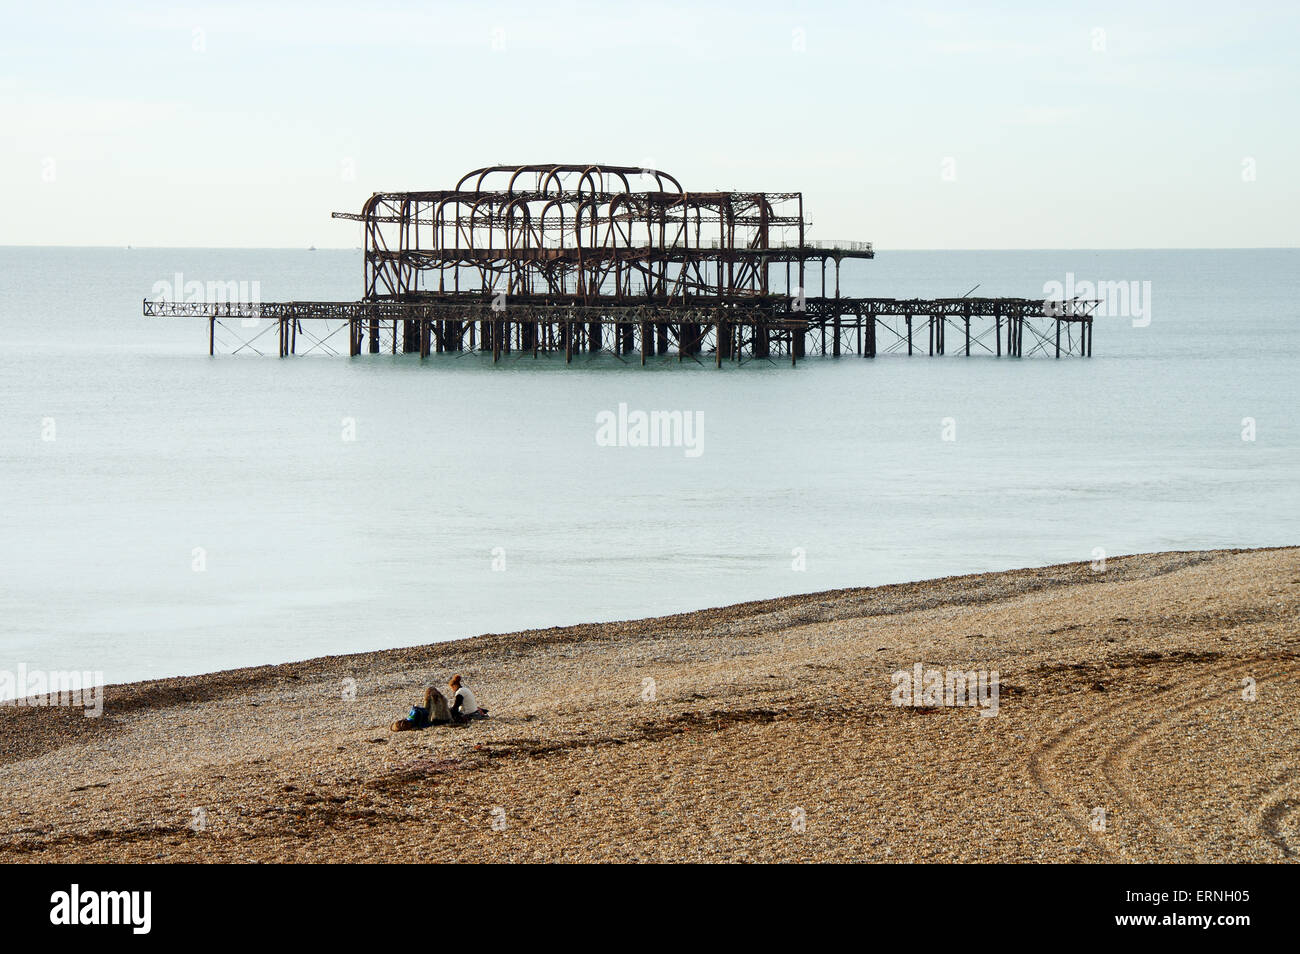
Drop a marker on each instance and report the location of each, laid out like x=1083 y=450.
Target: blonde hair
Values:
x=436 y=703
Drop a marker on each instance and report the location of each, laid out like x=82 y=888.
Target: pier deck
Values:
x=728 y=329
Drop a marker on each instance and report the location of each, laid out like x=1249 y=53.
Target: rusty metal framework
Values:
x=587 y=234
x=589 y=258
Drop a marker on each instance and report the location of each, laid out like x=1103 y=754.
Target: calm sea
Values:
x=165 y=513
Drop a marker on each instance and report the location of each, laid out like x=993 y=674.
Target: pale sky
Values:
x=1010 y=125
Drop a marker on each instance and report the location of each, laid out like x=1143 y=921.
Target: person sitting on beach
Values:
x=463 y=704
x=434 y=712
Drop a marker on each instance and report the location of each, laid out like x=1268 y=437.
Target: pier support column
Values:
x=724 y=333
x=687 y=339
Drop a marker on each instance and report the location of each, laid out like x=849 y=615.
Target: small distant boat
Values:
x=312 y=248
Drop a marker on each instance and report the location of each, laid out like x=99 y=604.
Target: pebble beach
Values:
x=1146 y=713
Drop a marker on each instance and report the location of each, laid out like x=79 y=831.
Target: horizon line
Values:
x=878 y=250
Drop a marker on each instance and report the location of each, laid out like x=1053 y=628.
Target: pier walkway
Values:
x=733 y=329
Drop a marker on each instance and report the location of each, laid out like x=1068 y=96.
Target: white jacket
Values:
x=468 y=703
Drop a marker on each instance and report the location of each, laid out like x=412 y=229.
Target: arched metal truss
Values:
x=587 y=234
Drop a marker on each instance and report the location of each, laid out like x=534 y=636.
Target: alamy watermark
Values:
x=38 y=688
x=1116 y=299
x=625 y=428
x=930 y=688
x=179 y=291
x=75 y=906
